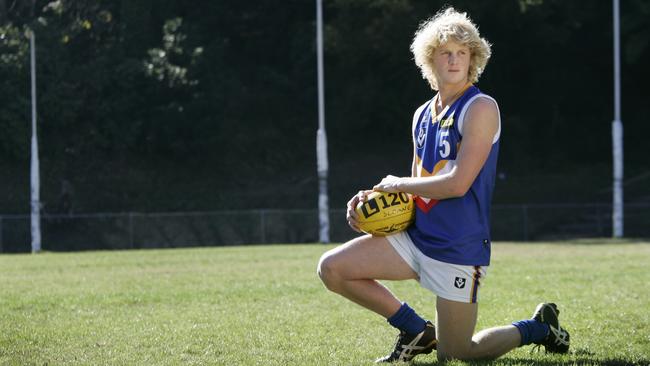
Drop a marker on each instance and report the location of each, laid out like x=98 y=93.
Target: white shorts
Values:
x=449 y=281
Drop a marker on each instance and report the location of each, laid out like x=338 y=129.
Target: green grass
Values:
x=264 y=305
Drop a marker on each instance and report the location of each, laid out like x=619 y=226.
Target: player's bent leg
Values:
x=456 y=323
x=352 y=269
x=494 y=342
x=455 y=326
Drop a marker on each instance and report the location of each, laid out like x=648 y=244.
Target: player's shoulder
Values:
x=480 y=103
x=481 y=108
x=483 y=103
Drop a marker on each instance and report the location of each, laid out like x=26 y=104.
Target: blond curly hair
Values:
x=446 y=25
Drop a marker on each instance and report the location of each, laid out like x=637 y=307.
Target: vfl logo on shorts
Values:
x=459 y=282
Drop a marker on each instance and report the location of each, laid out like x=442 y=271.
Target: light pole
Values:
x=321 y=136
x=35 y=201
x=617 y=133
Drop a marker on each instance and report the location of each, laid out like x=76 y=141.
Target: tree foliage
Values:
x=144 y=104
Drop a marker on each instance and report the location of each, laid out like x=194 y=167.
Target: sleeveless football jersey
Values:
x=454 y=230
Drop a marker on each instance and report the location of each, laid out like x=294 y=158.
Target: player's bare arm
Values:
x=480 y=126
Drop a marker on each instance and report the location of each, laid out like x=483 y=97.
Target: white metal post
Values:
x=34 y=164
x=321 y=137
x=617 y=133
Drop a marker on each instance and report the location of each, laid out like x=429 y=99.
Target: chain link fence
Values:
x=221 y=228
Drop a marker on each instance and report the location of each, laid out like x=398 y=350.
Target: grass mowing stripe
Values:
x=265 y=305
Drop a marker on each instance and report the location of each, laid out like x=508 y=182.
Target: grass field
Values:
x=264 y=305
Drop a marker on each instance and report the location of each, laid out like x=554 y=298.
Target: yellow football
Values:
x=385 y=213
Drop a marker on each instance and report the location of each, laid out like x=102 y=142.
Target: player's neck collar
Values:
x=444 y=105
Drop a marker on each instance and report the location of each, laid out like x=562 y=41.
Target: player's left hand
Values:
x=388 y=184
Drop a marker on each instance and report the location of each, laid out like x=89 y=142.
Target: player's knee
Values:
x=327 y=271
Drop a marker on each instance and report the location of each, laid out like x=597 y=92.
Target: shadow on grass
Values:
x=530 y=361
x=574 y=359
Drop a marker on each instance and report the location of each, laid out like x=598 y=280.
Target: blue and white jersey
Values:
x=454 y=230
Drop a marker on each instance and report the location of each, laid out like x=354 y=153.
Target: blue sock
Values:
x=408 y=320
x=531 y=331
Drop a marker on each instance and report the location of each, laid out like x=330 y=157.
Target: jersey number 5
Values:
x=444 y=146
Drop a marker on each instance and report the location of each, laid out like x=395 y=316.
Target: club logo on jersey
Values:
x=459 y=282
x=422 y=134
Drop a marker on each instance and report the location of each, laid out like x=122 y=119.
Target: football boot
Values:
x=557 y=340
x=409 y=346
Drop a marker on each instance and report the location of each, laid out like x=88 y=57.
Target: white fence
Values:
x=239 y=227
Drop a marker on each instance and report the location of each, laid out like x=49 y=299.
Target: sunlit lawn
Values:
x=264 y=305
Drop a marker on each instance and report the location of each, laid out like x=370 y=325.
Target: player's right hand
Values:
x=351 y=214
